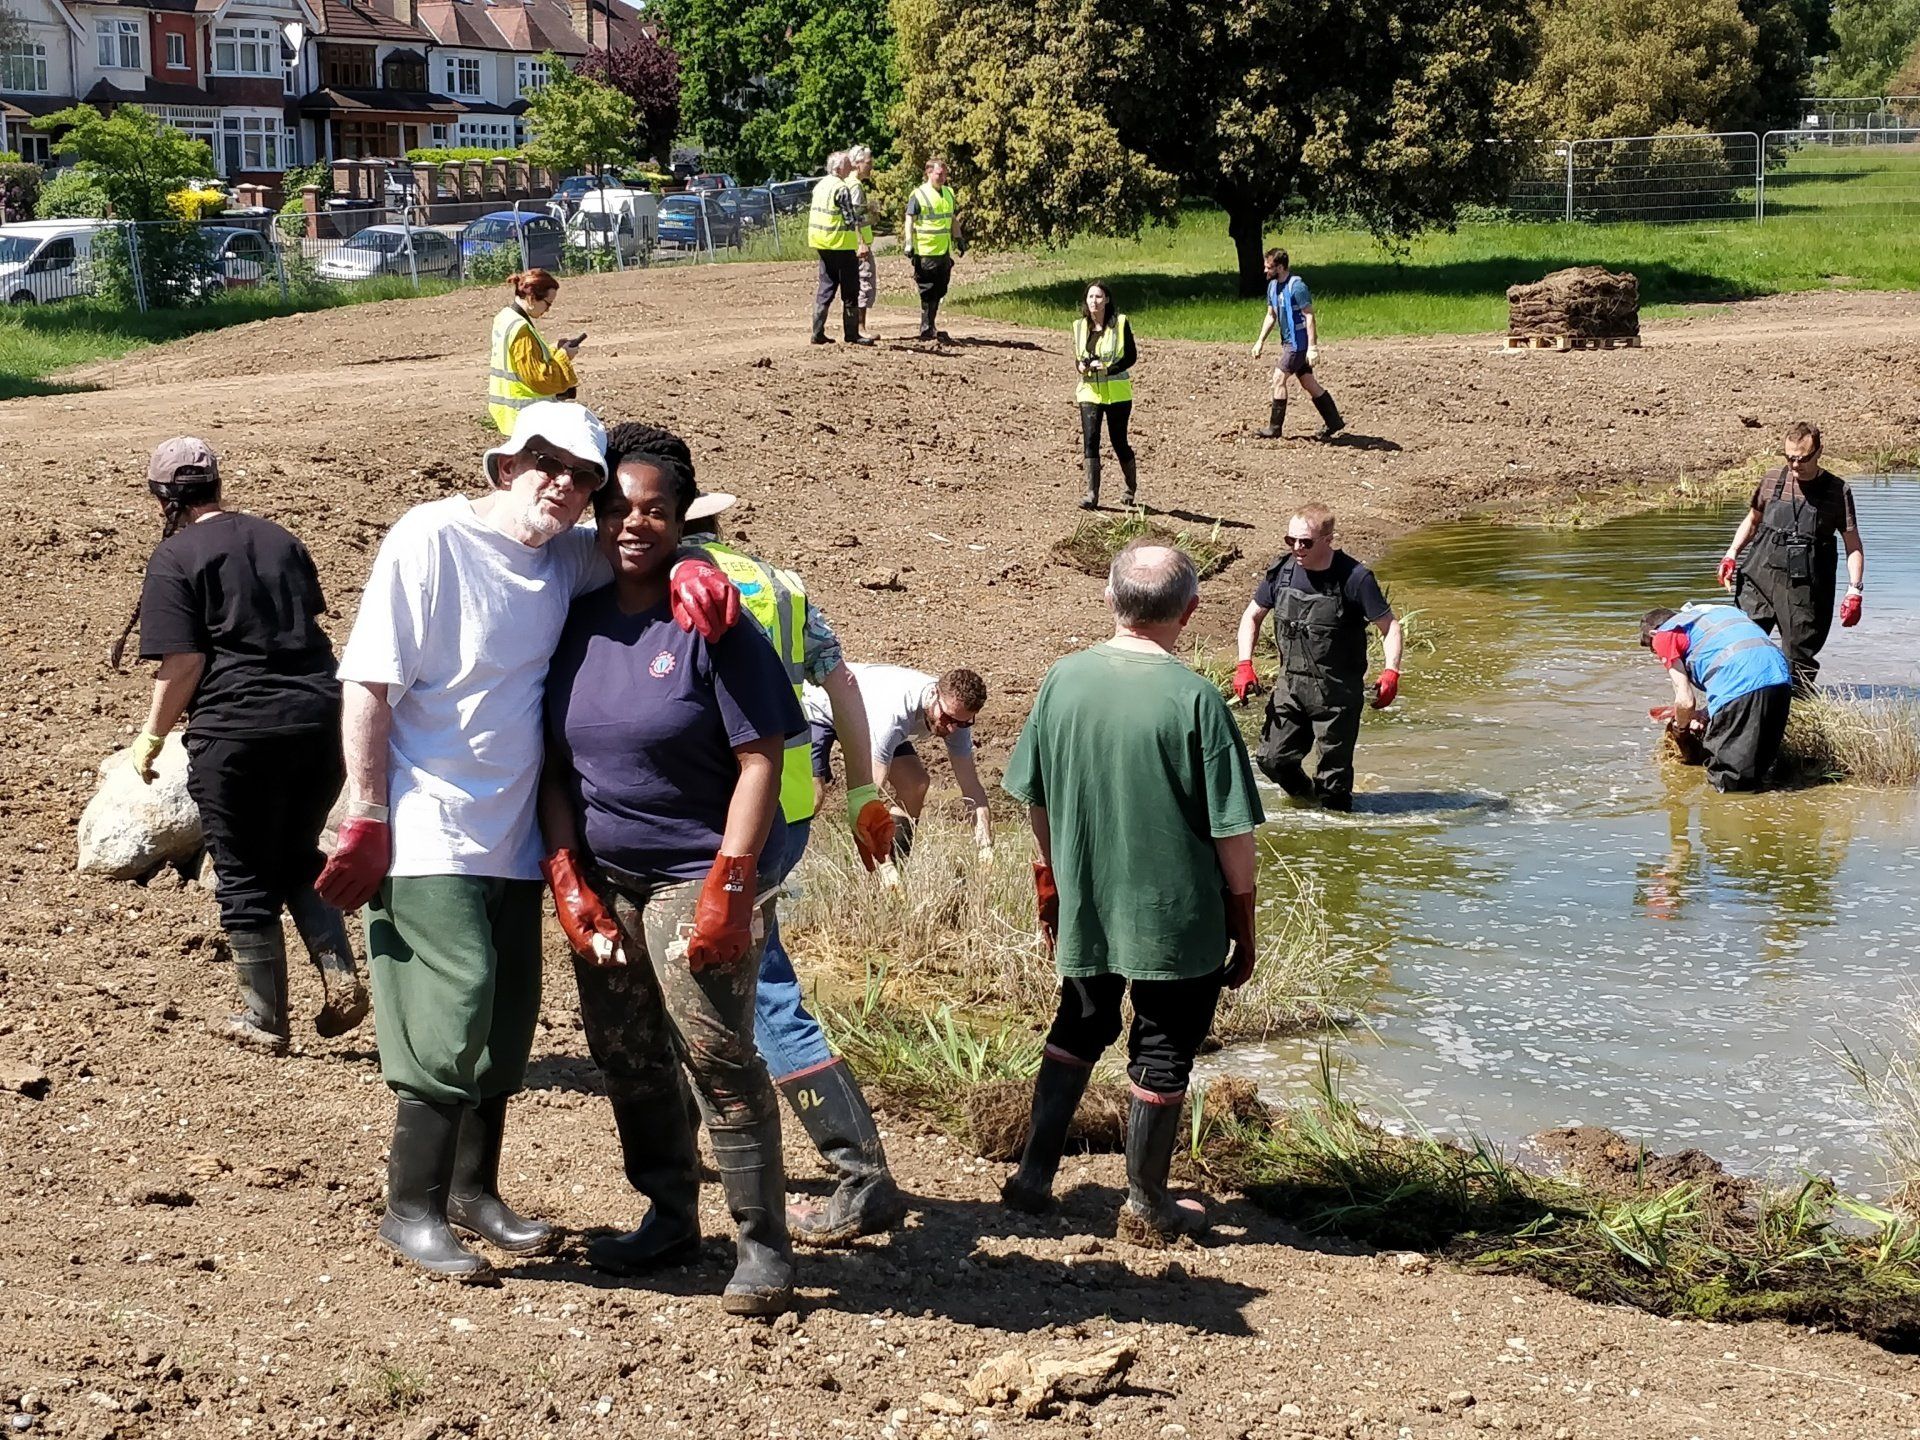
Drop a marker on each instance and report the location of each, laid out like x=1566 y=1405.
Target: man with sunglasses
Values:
x=444 y=678
x=1322 y=600
x=1781 y=563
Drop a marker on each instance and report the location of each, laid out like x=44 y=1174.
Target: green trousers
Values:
x=455 y=963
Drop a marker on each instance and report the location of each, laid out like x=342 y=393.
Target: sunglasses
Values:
x=583 y=477
x=1300 y=542
x=1806 y=459
x=940 y=712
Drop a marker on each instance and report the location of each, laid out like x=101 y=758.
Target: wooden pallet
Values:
x=1572 y=342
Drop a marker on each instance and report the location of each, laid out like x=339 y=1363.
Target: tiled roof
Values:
x=330 y=100
x=157 y=92
x=351 y=20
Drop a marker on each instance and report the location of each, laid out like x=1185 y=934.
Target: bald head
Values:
x=1151 y=583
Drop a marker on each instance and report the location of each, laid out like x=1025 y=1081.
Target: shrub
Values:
x=430 y=155
x=19 y=188
x=491 y=265
x=195 y=203
x=74 y=193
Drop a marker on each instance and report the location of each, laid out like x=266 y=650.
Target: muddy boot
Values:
x=1091 y=500
x=754 y=1178
x=324 y=931
x=1151 y=1216
x=426 y=1137
x=1056 y=1095
x=1130 y=468
x=927 y=332
x=657 y=1141
x=473 y=1199
x=820 y=325
x=1276 y=421
x=837 y=1120
x=1331 y=423
x=260 y=965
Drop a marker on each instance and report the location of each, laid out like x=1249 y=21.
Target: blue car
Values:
x=545 y=237
x=696 y=222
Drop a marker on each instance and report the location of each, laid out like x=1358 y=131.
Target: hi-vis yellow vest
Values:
x=827 y=228
x=506 y=391
x=1112 y=344
x=933 y=226
x=777 y=601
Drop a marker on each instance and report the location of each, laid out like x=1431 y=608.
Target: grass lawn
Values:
x=1179 y=281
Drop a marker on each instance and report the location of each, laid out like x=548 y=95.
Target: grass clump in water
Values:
x=1844 y=735
x=1092 y=546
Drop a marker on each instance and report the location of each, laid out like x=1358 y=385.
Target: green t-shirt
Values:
x=1140 y=769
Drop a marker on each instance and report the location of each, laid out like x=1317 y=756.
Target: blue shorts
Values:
x=1293 y=362
x=823 y=742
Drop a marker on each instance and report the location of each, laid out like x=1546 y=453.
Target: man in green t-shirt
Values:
x=1143 y=803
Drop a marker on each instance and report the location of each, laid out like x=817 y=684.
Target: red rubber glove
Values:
x=589 y=925
x=1727 y=566
x=702 y=598
x=360 y=860
x=1240 y=931
x=1047 y=901
x=1661 y=712
x=1849 y=612
x=872 y=825
x=1245 y=682
x=723 y=920
x=1385 y=688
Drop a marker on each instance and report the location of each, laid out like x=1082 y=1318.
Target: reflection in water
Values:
x=1575 y=933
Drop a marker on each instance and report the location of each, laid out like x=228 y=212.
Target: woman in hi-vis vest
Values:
x=1103 y=353
x=522 y=367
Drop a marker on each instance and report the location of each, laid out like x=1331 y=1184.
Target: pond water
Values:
x=1568 y=932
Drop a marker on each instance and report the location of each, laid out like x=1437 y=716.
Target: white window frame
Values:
x=249 y=50
x=530 y=75
x=456 y=68
x=117 y=43
x=176 y=50
x=28 y=59
x=196 y=122
x=489 y=134
x=246 y=139
x=35 y=148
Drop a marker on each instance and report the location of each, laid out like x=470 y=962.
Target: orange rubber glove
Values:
x=590 y=927
x=702 y=598
x=1047 y=897
x=872 y=825
x=1240 y=931
x=723 y=919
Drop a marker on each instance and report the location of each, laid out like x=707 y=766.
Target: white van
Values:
x=42 y=260
x=628 y=219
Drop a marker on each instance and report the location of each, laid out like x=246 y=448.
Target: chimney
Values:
x=407 y=12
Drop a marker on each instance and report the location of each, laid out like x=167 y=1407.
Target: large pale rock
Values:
x=130 y=827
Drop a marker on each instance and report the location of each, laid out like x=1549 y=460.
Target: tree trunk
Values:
x=1247 y=226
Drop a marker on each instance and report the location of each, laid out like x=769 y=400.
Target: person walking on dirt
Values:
x=1715 y=651
x=1144 y=809
x=833 y=230
x=523 y=368
x=860 y=184
x=1781 y=563
x=444 y=674
x=1104 y=353
x=931 y=238
x=1291 y=308
x=1322 y=600
x=660 y=798
x=819 y=1087
x=902 y=706
x=231 y=609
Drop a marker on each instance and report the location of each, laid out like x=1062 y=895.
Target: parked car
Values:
x=791 y=195
x=755 y=204
x=694 y=221
x=544 y=236
x=713 y=182
x=43 y=260
x=626 y=221
x=568 y=192
x=403 y=250
x=237 y=259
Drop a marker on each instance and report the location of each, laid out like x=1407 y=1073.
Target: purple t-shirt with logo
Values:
x=649 y=715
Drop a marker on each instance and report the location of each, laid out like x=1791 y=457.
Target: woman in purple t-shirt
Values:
x=661 y=789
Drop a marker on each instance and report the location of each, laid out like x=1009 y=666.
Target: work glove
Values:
x=1385 y=688
x=702 y=599
x=1727 y=566
x=1313 y=355
x=723 y=918
x=1240 y=932
x=1849 y=614
x=1245 y=682
x=1047 y=903
x=360 y=859
x=1662 y=713
x=872 y=825
x=146 y=749
x=589 y=926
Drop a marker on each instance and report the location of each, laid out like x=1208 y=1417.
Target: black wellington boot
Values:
x=324 y=931
x=260 y=966
x=657 y=1141
x=927 y=332
x=419 y=1176
x=820 y=325
x=1130 y=468
x=1151 y=1215
x=1056 y=1095
x=1329 y=415
x=850 y=328
x=836 y=1118
x=1276 y=421
x=754 y=1177
x=473 y=1199
x=1091 y=500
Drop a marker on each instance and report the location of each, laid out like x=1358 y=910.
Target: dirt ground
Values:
x=186 y=1233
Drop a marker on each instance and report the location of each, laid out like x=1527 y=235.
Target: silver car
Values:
x=395 y=250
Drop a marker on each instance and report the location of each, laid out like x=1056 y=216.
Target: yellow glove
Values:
x=146 y=749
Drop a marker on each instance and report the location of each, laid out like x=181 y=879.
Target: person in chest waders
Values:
x=1781 y=563
x=1322 y=601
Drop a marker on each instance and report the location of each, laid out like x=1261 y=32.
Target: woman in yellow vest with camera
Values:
x=1104 y=354
x=523 y=368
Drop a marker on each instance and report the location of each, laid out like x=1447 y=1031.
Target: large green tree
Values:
x=138 y=160
x=578 y=123
x=1067 y=115
x=1871 y=40
x=1641 y=67
x=773 y=85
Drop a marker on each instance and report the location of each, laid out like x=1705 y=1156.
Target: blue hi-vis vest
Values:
x=1728 y=656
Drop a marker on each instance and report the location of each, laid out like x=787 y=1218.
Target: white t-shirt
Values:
x=895 y=699
x=459 y=622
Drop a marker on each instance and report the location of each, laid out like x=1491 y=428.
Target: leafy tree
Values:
x=74 y=193
x=647 y=72
x=137 y=160
x=1871 y=39
x=1784 y=33
x=1907 y=81
x=1641 y=67
x=577 y=123
x=1380 y=108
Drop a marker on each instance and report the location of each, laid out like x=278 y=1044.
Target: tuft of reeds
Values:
x=1888 y=1077
x=1094 y=543
x=1841 y=734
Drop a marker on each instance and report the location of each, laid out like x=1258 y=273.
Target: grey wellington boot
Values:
x=260 y=967
x=1151 y=1215
x=324 y=931
x=754 y=1177
x=419 y=1179
x=1091 y=500
x=1056 y=1096
x=473 y=1198
x=820 y=325
x=1131 y=470
x=836 y=1118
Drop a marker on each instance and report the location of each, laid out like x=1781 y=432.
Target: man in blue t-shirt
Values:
x=1716 y=651
x=1291 y=308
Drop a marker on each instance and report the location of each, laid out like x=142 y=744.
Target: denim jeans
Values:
x=790 y=1039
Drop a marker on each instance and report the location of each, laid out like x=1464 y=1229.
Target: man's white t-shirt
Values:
x=895 y=699
x=459 y=622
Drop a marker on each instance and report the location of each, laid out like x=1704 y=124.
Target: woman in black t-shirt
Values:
x=231 y=609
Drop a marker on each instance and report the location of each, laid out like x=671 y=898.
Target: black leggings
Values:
x=1117 y=415
x=1170 y=1020
x=263 y=802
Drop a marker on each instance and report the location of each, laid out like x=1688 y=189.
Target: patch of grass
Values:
x=1092 y=546
x=1841 y=734
x=1888 y=1077
x=398 y=1388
